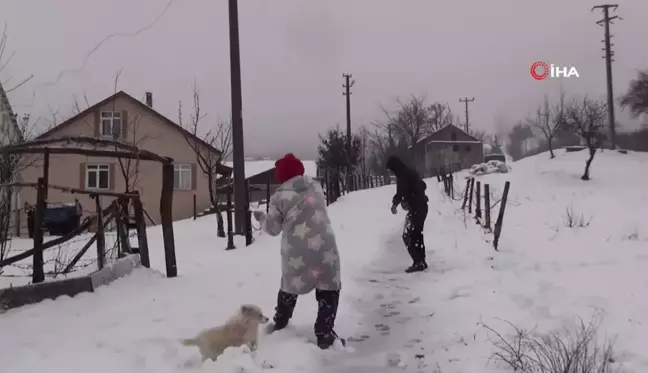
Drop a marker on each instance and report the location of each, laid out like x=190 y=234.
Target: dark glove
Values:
x=394 y=209
x=259 y=216
x=405 y=206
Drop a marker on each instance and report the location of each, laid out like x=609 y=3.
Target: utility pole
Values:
x=605 y=22
x=347 y=92
x=466 y=100
x=241 y=204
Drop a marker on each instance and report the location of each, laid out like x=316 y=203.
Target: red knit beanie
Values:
x=288 y=167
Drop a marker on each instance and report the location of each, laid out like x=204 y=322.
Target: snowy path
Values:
x=407 y=315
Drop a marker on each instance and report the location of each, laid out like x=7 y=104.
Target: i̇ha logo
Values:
x=541 y=70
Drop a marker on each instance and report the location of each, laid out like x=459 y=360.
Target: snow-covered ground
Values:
x=545 y=275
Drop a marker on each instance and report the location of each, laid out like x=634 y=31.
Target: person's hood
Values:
x=395 y=165
x=298 y=184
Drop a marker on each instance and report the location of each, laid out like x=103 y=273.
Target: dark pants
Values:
x=327 y=305
x=413 y=233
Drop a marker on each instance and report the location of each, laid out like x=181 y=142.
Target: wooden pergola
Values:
x=73 y=145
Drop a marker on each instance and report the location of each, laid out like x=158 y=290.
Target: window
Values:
x=455 y=148
x=453 y=137
x=111 y=124
x=97 y=176
x=182 y=177
x=468 y=148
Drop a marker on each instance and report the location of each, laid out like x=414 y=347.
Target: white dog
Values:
x=242 y=329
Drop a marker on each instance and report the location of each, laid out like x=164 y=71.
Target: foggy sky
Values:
x=294 y=53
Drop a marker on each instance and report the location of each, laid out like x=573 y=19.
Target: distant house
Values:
x=10 y=133
x=134 y=122
x=260 y=174
x=449 y=147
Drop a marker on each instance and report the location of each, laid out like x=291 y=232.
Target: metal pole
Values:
x=347 y=92
x=238 y=152
x=465 y=100
x=608 y=66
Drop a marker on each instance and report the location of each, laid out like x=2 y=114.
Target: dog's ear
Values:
x=246 y=309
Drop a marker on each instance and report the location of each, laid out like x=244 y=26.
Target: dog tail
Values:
x=189 y=342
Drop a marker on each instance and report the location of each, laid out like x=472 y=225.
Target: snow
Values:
x=256 y=167
x=545 y=276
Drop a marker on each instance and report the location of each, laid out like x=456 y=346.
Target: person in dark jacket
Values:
x=410 y=194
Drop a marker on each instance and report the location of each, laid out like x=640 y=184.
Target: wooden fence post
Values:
x=470 y=196
x=268 y=193
x=465 y=196
x=38 y=272
x=166 y=216
x=230 y=229
x=327 y=190
x=500 y=216
x=101 y=237
x=248 y=215
x=195 y=207
x=487 y=209
x=478 y=212
x=451 y=181
x=142 y=239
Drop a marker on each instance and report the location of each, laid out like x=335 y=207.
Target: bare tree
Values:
x=414 y=119
x=636 y=97
x=441 y=116
x=209 y=161
x=133 y=135
x=479 y=135
x=549 y=121
x=5 y=61
x=517 y=139
x=365 y=142
x=586 y=118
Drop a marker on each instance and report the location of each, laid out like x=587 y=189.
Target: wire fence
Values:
x=477 y=199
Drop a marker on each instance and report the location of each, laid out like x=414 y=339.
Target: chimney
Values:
x=149 y=99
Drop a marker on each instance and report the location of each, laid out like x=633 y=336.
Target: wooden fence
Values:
x=476 y=198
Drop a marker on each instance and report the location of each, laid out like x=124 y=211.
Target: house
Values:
x=10 y=133
x=259 y=174
x=134 y=122
x=449 y=147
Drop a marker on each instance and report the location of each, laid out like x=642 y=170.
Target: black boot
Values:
x=283 y=311
x=417 y=267
x=327 y=302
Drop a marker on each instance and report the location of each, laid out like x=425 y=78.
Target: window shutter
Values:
x=97 y=123
x=111 y=176
x=124 y=125
x=82 y=175
x=194 y=176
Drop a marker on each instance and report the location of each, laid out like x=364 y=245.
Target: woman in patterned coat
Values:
x=309 y=254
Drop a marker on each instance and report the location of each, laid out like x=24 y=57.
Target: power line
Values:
x=605 y=22
x=104 y=40
x=466 y=100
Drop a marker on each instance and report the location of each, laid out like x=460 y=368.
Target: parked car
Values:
x=495 y=157
x=59 y=218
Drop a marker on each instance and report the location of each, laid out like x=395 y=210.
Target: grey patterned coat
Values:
x=309 y=254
